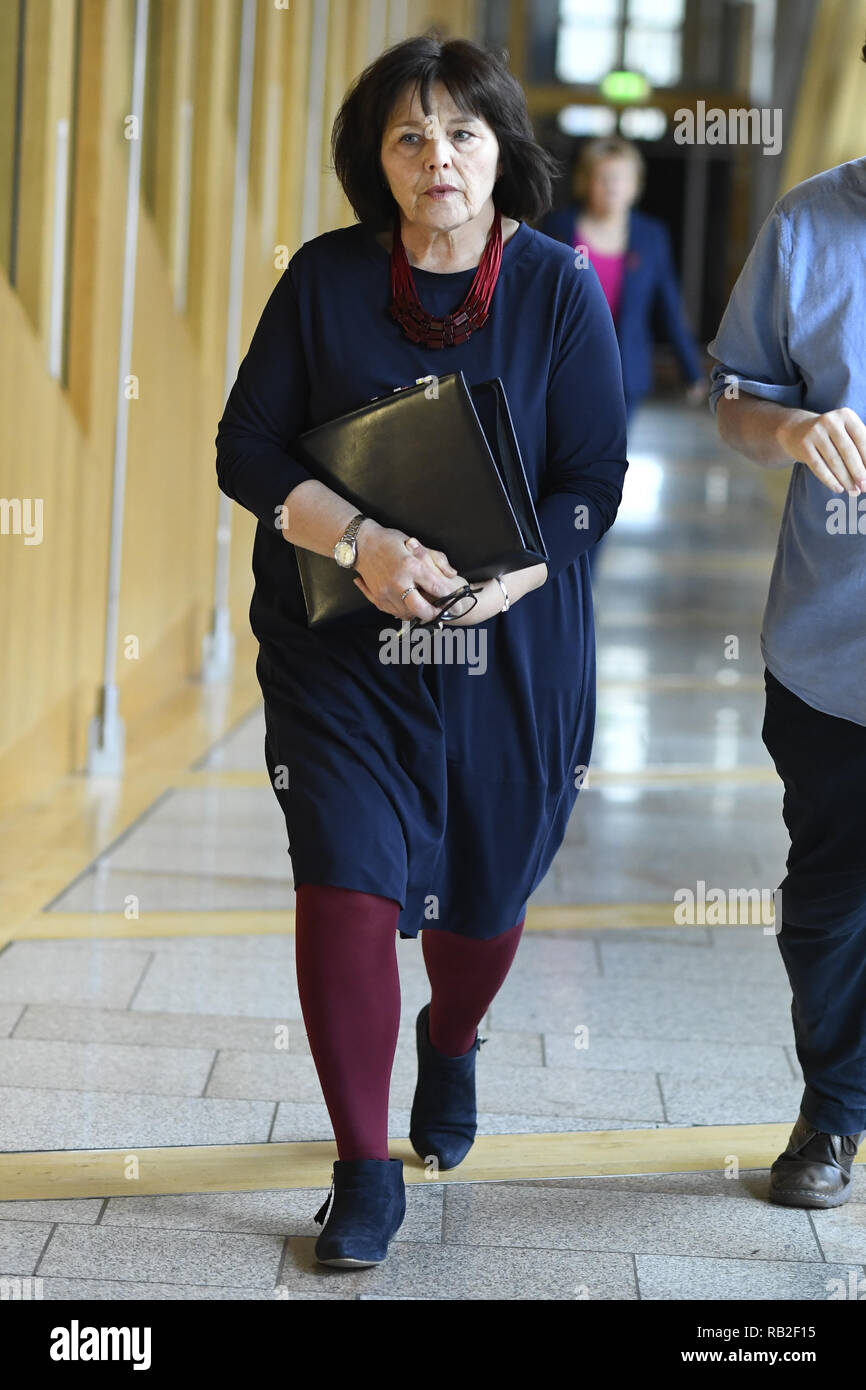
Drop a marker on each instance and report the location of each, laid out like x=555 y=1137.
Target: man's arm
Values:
x=831 y=445
x=750 y=425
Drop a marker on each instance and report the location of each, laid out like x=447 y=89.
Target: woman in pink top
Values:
x=631 y=254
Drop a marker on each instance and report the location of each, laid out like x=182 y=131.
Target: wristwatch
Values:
x=346 y=549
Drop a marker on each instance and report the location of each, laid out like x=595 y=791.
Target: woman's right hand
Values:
x=386 y=566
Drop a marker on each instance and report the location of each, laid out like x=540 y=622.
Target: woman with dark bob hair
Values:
x=422 y=796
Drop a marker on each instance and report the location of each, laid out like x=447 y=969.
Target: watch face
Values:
x=344 y=554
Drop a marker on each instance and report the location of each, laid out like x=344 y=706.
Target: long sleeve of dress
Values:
x=586 y=453
x=266 y=409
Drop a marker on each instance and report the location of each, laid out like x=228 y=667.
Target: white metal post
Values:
x=218 y=644
x=106 y=735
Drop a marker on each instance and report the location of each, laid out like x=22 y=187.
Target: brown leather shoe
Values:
x=815 y=1169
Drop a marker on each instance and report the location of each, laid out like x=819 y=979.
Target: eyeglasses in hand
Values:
x=463 y=599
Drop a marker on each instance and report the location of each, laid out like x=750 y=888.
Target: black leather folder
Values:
x=440 y=461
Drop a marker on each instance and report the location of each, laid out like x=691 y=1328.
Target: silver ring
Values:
x=407 y=591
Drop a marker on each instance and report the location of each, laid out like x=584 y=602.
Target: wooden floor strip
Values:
x=699 y=774
x=283 y=1167
x=68 y=926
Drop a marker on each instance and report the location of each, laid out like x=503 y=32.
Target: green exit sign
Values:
x=624 y=87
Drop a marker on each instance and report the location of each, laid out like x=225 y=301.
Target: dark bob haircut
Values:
x=478 y=81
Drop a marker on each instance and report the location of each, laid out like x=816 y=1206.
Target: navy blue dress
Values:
x=446 y=787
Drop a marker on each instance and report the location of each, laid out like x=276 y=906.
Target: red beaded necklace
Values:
x=456 y=327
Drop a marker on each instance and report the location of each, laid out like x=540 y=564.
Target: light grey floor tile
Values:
x=266 y=1035
x=623 y=960
x=216 y=805
x=70 y=1210
x=247 y=986
x=517 y=1049
x=726 y=1009
x=159 y=892
x=604 y=871
x=120 y=1290
x=692 y=1058
x=283 y=1213
x=265 y=947
x=549 y=954
x=49 y=1120
x=750 y=1184
x=164 y=1030
x=465 y=1272
x=567 y=1091
x=681 y=1279
x=252 y=851
x=704 y=1099
x=68 y=1066
x=180 y=1257
x=251 y=1076
x=641 y=843
x=500 y=1086
x=302 y=1121
x=239 y=987
x=41 y=972
x=298 y=1121
x=9 y=1016
x=661 y=935
x=842 y=1231
x=525 y=1215
x=20 y=1245
x=504 y=1123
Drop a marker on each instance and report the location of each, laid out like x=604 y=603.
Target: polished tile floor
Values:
x=131 y=1042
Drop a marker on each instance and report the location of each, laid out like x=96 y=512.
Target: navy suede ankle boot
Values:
x=444 y=1116
x=369 y=1204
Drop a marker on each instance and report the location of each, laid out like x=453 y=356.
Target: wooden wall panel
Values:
x=58 y=439
x=9 y=28
x=834 y=85
x=33 y=213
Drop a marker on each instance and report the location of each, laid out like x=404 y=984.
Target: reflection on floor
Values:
x=130 y=1041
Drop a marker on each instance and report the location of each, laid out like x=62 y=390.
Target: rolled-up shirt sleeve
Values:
x=586 y=427
x=265 y=410
x=751 y=347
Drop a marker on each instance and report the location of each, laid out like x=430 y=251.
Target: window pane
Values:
x=584 y=53
x=656 y=14
x=656 y=53
x=588 y=12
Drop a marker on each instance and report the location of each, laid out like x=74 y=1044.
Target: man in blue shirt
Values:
x=789 y=388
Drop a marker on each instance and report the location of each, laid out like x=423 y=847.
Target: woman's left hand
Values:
x=491 y=598
x=490 y=601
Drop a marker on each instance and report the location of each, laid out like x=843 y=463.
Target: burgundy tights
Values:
x=346 y=959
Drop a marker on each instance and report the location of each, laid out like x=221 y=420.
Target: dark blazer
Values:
x=650 y=280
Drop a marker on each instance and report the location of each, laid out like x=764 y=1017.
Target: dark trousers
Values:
x=822 y=762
